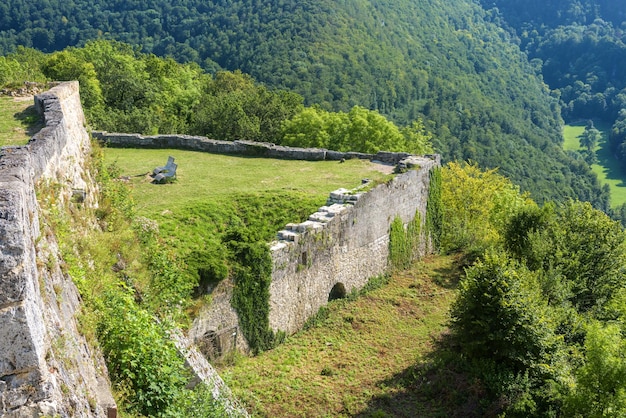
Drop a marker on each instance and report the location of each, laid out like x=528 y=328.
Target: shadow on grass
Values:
x=30 y=120
x=434 y=387
x=448 y=276
x=610 y=165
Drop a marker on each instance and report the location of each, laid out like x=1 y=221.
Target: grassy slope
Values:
x=18 y=120
x=202 y=176
x=359 y=360
x=607 y=168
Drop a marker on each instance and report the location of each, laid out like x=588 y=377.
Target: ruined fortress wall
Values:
x=341 y=246
x=46 y=367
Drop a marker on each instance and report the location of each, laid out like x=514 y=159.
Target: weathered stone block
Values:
x=22 y=351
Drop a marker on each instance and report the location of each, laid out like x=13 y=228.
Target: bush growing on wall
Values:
x=434 y=209
x=404 y=242
x=143 y=362
x=252 y=272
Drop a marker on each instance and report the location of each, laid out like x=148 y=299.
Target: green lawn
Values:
x=202 y=176
x=607 y=168
x=18 y=120
x=571 y=135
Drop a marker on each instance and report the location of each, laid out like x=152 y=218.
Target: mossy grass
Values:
x=18 y=120
x=358 y=356
x=210 y=177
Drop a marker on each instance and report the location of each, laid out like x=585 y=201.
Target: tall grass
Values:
x=358 y=356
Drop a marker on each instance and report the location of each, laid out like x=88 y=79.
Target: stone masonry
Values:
x=334 y=252
x=46 y=366
x=341 y=246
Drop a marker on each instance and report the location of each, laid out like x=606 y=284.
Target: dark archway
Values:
x=337 y=292
x=209 y=345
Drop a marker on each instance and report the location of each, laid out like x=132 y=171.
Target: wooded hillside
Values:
x=580 y=46
x=446 y=61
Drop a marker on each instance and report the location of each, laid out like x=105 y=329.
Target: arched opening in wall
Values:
x=337 y=292
x=209 y=345
x=214 y=344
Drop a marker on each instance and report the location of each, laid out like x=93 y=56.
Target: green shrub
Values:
x=252 y=273
x=143 y=362
x=404 y=243
x=197 y=403
x=507 y=334
x=500 y=315
x=579 y=251
x=434 y=209
x=475 y=207
x=600 y=389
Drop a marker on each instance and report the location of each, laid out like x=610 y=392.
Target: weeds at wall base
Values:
x=107 y=266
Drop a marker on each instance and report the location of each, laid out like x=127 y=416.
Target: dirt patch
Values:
x=384 y=168
x=28 y=98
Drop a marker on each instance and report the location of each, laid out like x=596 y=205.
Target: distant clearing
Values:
x=18 y=120
x=607 y=169
x=202 y=176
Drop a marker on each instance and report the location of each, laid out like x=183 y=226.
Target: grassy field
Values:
x=361 y=358
x=202 y=176
x=18 y=120
x=607 y=168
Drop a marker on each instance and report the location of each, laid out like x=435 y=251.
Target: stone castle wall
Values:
x=329 y=255
x=46 y=366
x=239 y=147
x=342 y=245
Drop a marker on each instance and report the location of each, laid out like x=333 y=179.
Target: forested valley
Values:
x=538 y=323
x=443 y=62
x=580 y=49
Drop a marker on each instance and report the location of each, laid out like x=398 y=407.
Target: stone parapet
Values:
x=240 y=147
x=34 y=381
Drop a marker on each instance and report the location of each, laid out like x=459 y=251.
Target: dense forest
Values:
x=580 y=47
x=444 y=62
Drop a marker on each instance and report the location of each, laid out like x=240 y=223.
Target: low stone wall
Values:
x=239 y=147
x=46 y=367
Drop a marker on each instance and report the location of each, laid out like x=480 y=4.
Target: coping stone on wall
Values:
x=344 y=242
x=241 y=147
